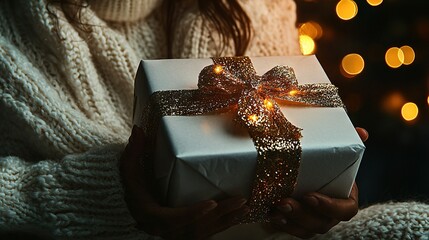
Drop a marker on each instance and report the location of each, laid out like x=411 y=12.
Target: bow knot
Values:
x=254 y=94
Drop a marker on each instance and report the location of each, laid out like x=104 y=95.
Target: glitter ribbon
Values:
x=231 y=84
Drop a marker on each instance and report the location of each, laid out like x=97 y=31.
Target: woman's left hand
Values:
x=315 y=213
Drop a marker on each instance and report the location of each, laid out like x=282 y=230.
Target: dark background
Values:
x=396 y=161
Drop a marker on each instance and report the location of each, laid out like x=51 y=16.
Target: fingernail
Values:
x=281 y=221
x=285 y=208
x=133 y=134
x=311 y=200
x=208 y=206
x=240 y=202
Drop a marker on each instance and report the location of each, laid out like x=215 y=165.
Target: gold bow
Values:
x=231 y=84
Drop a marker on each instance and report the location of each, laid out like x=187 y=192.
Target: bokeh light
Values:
x=346 y=9
x=409 y=55
x=374 y=2
x=311 y=29
x=393 y=102
x=409 y=111
x=308 y=46
x=394 y=57
x=353 y=64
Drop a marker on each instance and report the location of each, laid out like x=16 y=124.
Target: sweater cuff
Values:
x=80 y=195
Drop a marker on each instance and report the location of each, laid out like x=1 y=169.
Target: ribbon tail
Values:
x=279 y=154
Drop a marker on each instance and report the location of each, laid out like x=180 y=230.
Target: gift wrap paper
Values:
x=212 y=157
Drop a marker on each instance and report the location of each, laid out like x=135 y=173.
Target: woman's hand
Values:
x=193 y=222
x=315 y=213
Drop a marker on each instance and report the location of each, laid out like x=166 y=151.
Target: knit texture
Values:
x=403 y=220
x=125 y=10
x=66 y=101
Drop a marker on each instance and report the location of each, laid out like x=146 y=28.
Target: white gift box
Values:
x=210 y=157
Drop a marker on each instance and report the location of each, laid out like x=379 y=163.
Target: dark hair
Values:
x=227 y=16
x=72 y=11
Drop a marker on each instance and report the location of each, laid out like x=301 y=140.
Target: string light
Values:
x=353 y=64
x=293 y=92
x=307 y=44
x=253 y=118
x=374 y=2
x=409 y=111
x=218 y=69
x=346 y=9
x=268 y=104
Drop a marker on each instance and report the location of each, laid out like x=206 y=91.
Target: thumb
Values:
x=363 y=133
x=194 y=212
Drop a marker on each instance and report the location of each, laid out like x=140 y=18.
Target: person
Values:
x=66 y=80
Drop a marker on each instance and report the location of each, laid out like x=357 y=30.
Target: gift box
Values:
x=210 y=157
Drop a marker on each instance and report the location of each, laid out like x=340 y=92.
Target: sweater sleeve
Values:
x=70 y=195
x=78 y=196
x=392 y=220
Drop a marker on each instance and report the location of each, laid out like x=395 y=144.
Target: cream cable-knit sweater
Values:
x=65 y=109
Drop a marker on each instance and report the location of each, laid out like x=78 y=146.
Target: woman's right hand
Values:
x=197 y=221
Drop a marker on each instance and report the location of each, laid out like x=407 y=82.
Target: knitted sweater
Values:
x=66 y=101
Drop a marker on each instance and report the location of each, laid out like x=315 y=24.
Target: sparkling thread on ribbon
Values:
x=231 y=84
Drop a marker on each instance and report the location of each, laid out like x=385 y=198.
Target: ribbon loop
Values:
x=279 y=79
x=215 y=79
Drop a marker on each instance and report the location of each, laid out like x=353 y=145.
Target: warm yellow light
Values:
x=374 y=2
x=268 y=104
x=311 y=29
x=293 y=92
x=253 y=118
x=393 y=102
x=353 y=64
x=308 y=46
x=428 y=100
x=409 y=54
x=394 y=57
x=409 y=111
x=346 y=9
x=218 y=69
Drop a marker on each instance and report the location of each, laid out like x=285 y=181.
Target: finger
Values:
x=341 y=209
x=304 y=217
x=205 y=228
x=227 y=206
x=232 y=218
x=363 y=133
x=226 y=214
x=189 y=215
x=184 y=221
